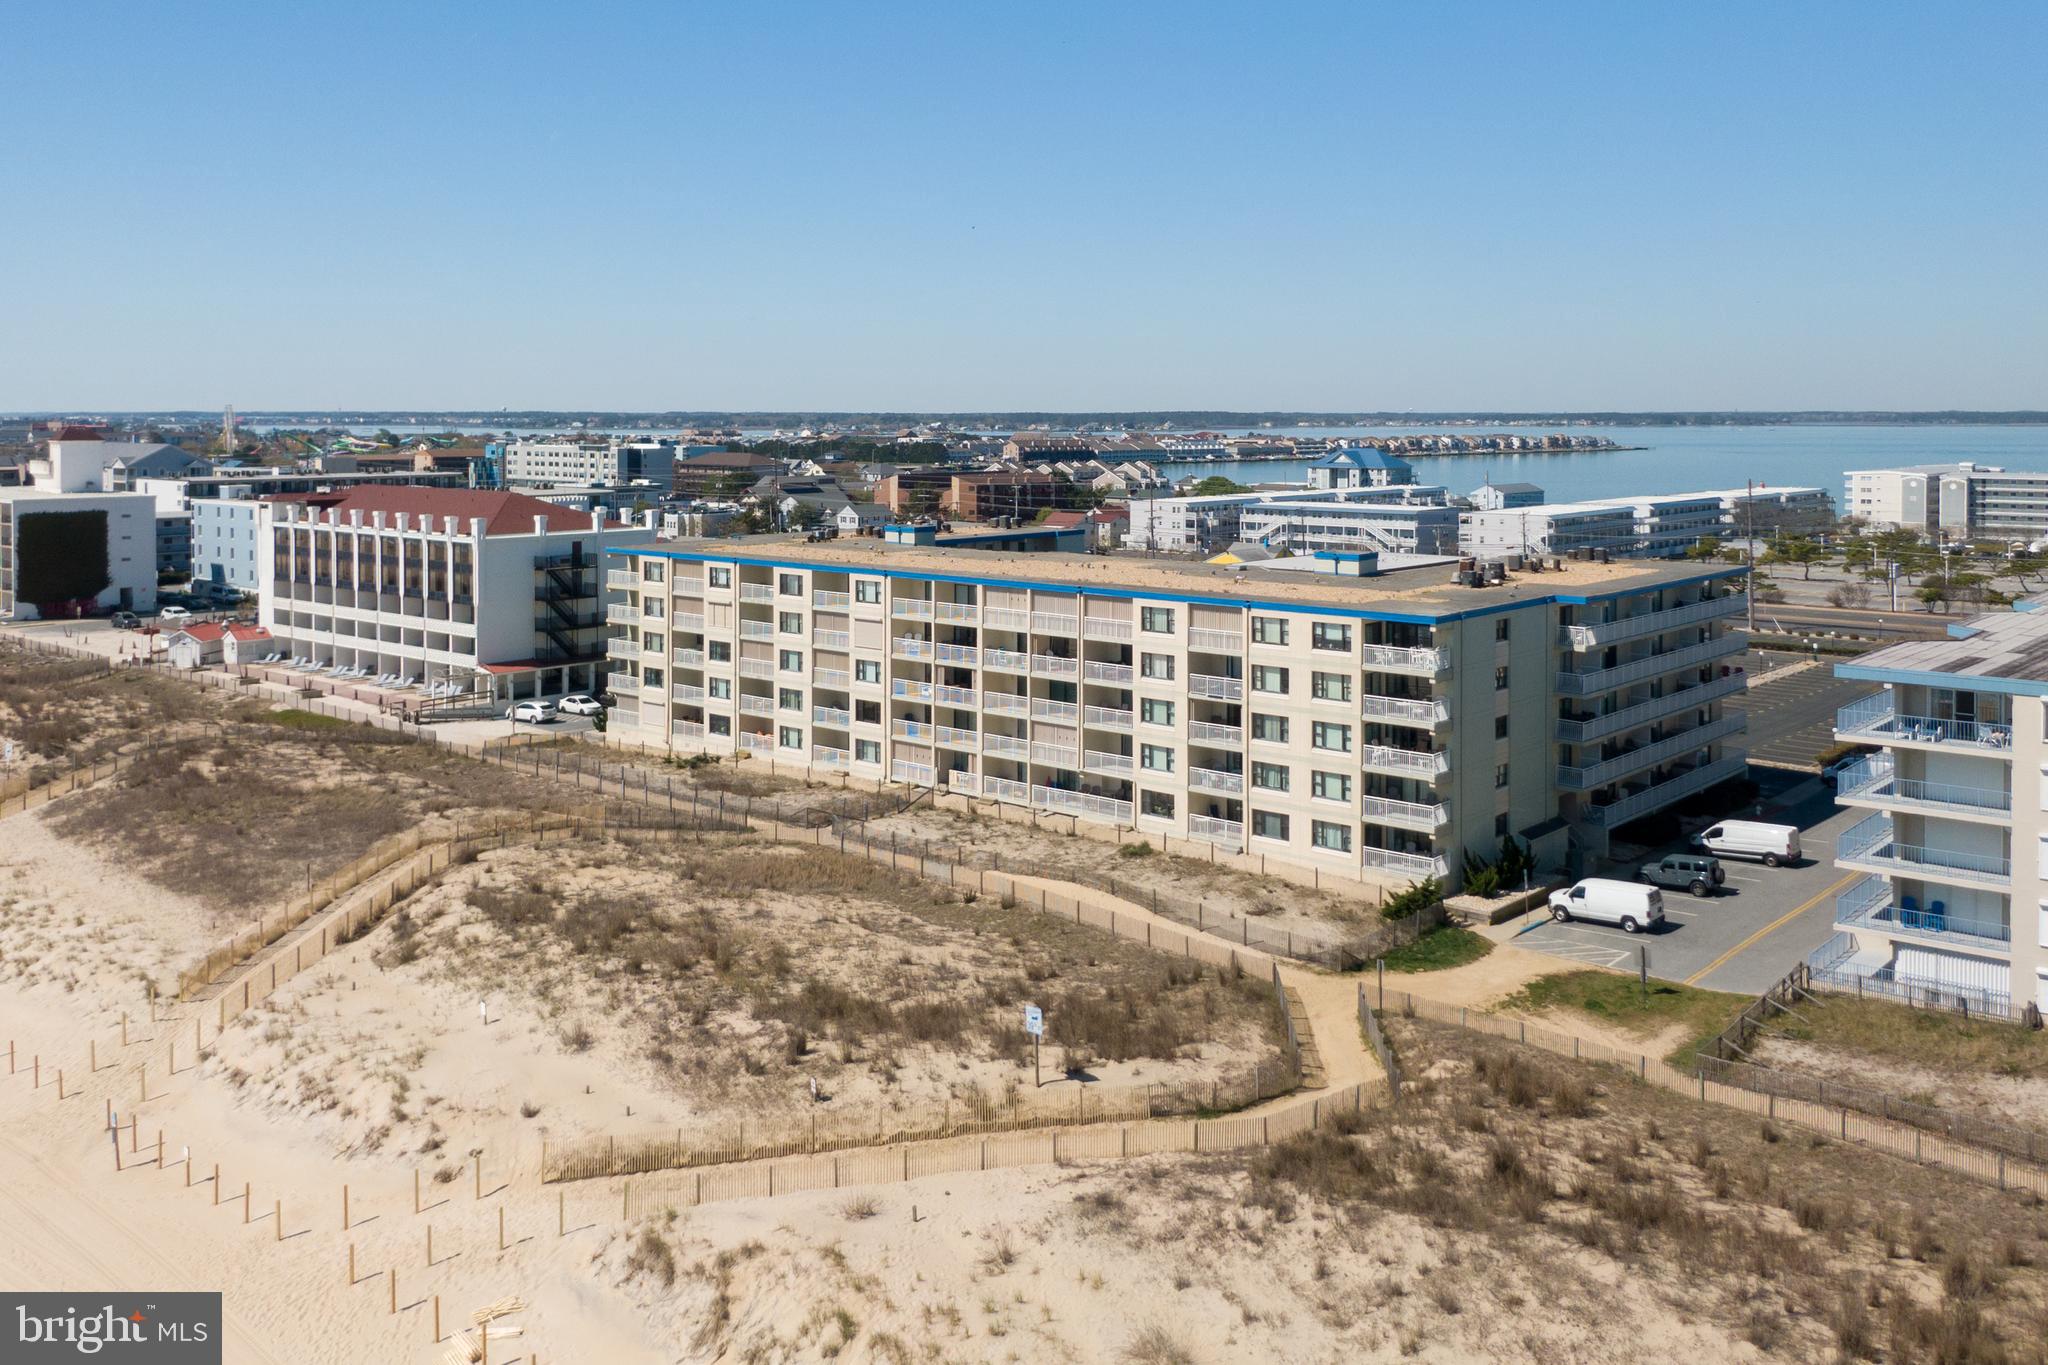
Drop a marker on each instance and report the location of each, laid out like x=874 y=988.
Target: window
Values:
x=792 y=660
x=718 y=576
x=867 y=590
x=1271 y=729
x=1332 y=635
x=868 y=712
x=867 y=670
x=1156 y=757
x=1266 y=678
x=1328 y=834
x=1500 y=775
x=1270 y=777
x=1158 y=620
x=1500 y=825
x=651 y=570
x=1327 y=734
x=1331 y=686
x=719 y=725
x=1268 y=824
x=1269 y=630
x=789 y=622
x=650 y=640
x=789 y=698
x=718 y=651
x=1500 y=727
x=1330 y=786
x=651 y=676
x=790 y=737
x=1154 y=712
x=1158 y=805
x=867 y=751
x=1500 y=678
x=1158 y=666
x=790 y=584
x=719 y=689
x=1500 y=629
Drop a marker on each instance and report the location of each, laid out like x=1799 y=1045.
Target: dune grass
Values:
x=1444 y=947
x=1895 y=1032
x=1622 y=1001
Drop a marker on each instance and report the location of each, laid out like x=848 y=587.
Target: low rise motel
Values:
x=1372 y=726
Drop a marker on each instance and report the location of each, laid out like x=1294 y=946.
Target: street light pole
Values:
x=1749 y=543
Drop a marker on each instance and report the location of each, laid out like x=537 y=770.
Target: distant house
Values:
x=856 y=517
x=1499 y=497
x=245 y=645
x=1359 y=467
x=716 y=470
x=210 y=644
x=1105 y=525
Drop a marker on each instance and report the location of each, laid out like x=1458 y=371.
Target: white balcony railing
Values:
x=1599 y=774
x=1216 y=780
x=1215 y=641
x=1403 y=710
x=1385 y=758
x=824 y=756
x=1106 y=718
x=912 y=608
x=918 y=774
x=954 y=737
x=1005 y=746
x=1226 y=833
x=687 y=692
x=1097 y=671
x=1599 y=634
x=1081 y=803
x=1006 y=618
x=1008 y=660
x=1872 y=904
x=1107 y=628
x=756 y=668
x=960 y=780
x=1583 y=731
x=1056 y=666
x=838 y=717
x=690 y=658
x=1004 y=789
x=1876 y=720
x=1215 y=688
x=1009 y=703
x=1417 y=660
x=1417 y=865
x=1636 y=670
x=831 y=677
x=967 y=612
x=1054 y=623
x=947 y=695
x=1047 y=709
x=1870 y=842
x=757 y=592
x=1405 y=814
x=822 y=598
x=1099 y=761
x=910 y=647
x=966 y=656
x=757 y=630
x=1209 y=732
x=757 y=706
x=1874 y=782
x=907 y=690
x=1662 y=794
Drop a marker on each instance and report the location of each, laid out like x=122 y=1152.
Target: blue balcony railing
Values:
x=1875 y=780
x=1871 y=841
x=1872 y=904
x=1876 y=719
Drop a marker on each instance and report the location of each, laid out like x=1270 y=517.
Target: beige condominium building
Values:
x=1373 y=727
x=1952 y=906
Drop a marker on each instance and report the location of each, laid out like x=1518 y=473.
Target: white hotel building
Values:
x=1370 y=727
x=1953 y=904
x=498 y=591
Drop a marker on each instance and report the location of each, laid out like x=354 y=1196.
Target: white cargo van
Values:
x=1603 y=901
x=1768 y=844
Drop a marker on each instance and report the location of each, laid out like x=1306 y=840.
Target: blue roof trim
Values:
x=1962 y=632
x=1193 y=599
x=1962 y=682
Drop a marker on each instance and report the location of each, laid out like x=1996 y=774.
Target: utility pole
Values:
x=1749 y=541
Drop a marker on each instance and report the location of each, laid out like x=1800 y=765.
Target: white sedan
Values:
x=580 y=704
x=532 y=712
x=173 y=616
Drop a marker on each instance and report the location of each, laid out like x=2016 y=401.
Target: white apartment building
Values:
x=1497 y=497
x=1771 y=511
x=1369 y=727
x=1965 y=501
x=1669 y=524
x=551 y=461
x=1359 y=467
x=1305 y=526
x=1953 y=904
x=495 y=590
x=50 y=548
x=1190 y=525
x=1555 y=528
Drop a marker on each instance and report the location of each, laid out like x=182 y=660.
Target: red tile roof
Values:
x=504 y=513
x=205 y=631
x=249 y=632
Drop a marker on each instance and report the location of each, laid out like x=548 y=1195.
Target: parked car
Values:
x=580 y=704
x=1767 y=844
x=1604 y=901
x=532 y=712
x=126 y=620
x=173 y=616
x=1695 y=872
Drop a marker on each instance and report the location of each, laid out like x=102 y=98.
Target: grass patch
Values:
x=292 y=718
x=1612 y=998
x=1444 y=947
x=1942 y=1042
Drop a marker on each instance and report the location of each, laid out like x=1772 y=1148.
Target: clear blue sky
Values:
x=970 y=206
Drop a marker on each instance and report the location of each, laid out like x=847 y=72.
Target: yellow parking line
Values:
x=1771 y=928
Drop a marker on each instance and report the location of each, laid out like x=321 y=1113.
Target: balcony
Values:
x=1214 y=688
x=1648 y=755
x=1008 y=703
x=1005 y=746
x=831 y=677
x=757 y=630
x=1008 y=660
x=622 y=684
x=1404 y=710
x=917 y=774
x=1107 y=628
x=687 y=587
x=1385 y=758
x=757 y=706
x=1416 y=865
x=965 y=656
x=690 y=621
x=1416 y=662
x=1055 y=666
x=912 y=608
x=831 y=600
x=1216 y=780
x=824 y=756
x=838 y=717
x=910 y=647
x=1055 y=755
x=913 y=730
x=688 y=729
x=1590 y=728
x=757 y=592
x=621 y=578
x=947 y=695
x=1873 y=782
x=1223 y=736
x=1215 y=641
x=1872 y=905
x=623 y=614
x=1097 y=671
x=1415 y=815
x=690 y=658
x=1655 y=798
x=622 y=647
x=1106 y=718
x=756 y=668
x=1099 y=761
x=960 y=780
x=903 y=689
x=1081 y=803
x=954 y=737
x=1868 y=844
x=1044 y=708
x=832 y=639
x=1874 y=720
x=1004 y=789
x=1224 y=833
x=1598 y=680
x=1006 y=618
x=688 y=692
x=1054 y=623
x=1599 y=634
x=966 y=613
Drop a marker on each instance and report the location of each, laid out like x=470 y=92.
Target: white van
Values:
x=1768 y=844
x=1604 y=901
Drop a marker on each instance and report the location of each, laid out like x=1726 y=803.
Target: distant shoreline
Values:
x=1158 y=459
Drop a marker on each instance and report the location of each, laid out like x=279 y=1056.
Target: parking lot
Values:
x=1748 y=934
x=1792 y=711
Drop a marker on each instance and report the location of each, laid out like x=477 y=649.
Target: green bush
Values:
x=1417 y=898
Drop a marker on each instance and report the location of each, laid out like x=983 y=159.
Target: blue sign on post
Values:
x=1034 y=1021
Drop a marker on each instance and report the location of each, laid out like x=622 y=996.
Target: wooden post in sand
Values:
x=277 y=1220
x=92 y=1054
x=124 y=1028
x=60 y=1082
x=501 y=1227
x=245 y=1201
x=141 y=1081
x=216 y=1184
x=479 y=1175
x=392 y=1279
x=131 y=1135
x=437 y=1319
x=36 y=1072
x=561 y=1212
x=159 y=1149
x=351 y=1262
x=485 y=1348
x=344 y=1208
x=430 y=1246
x=415 y=1190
